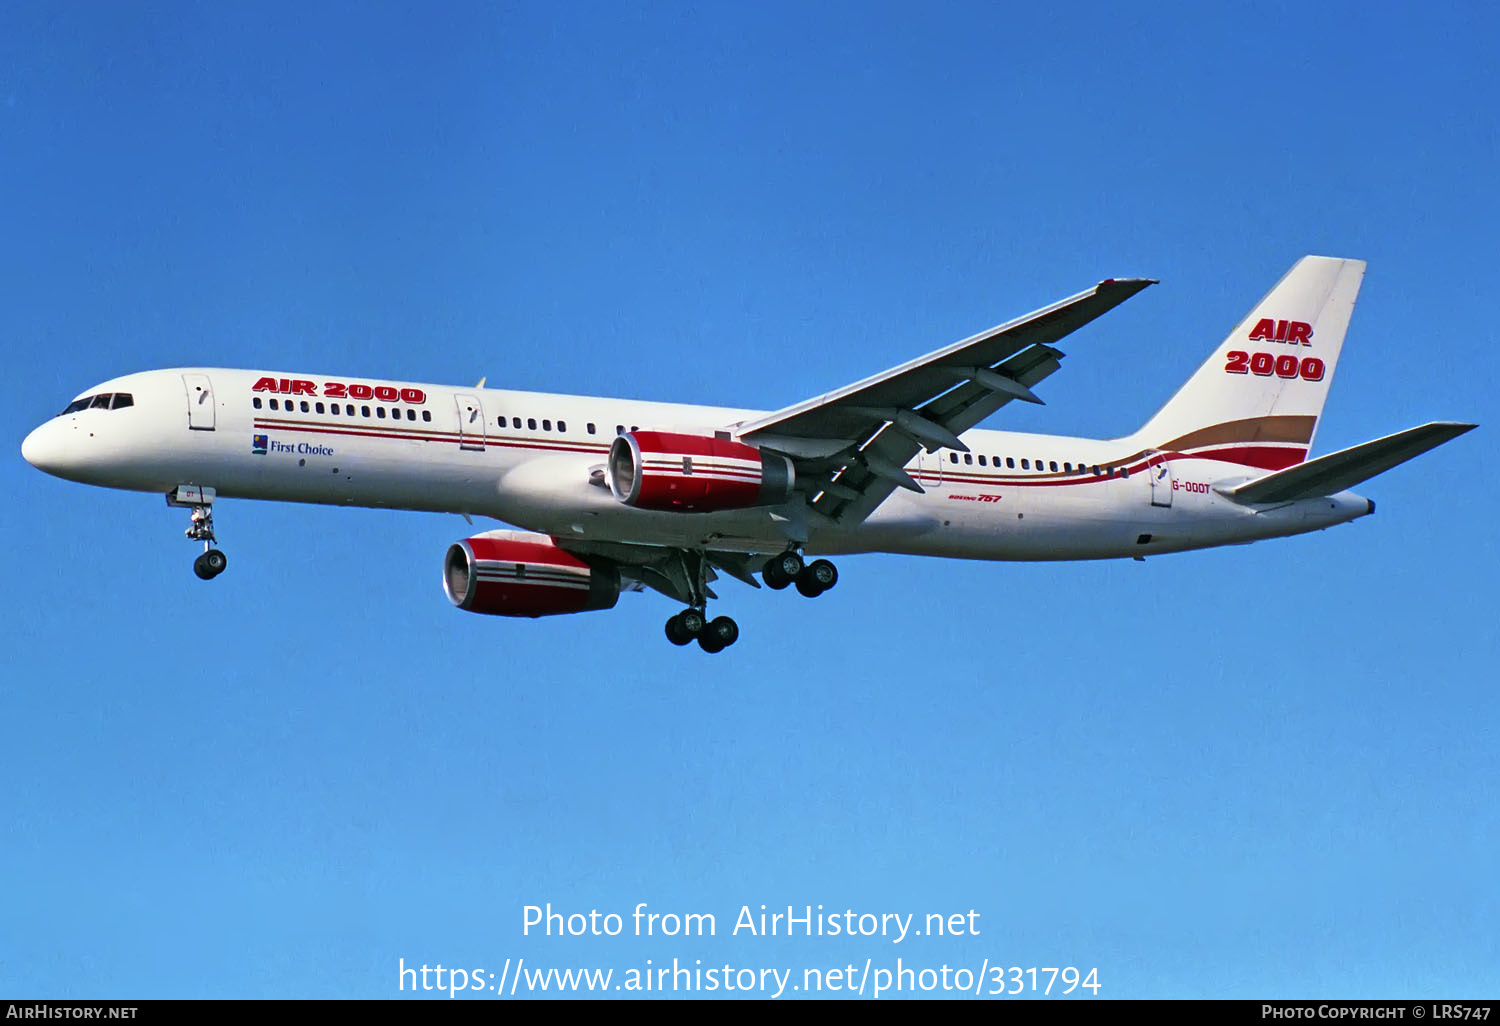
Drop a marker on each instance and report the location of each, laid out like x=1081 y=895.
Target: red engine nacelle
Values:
x=513 y=573
x=695 y=474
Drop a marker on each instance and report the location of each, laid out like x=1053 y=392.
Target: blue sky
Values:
x=1248 y=772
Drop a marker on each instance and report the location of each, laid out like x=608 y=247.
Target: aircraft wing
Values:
x=1347 y=467
x=851 y=445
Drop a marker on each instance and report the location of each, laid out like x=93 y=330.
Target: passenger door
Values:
x=1161 y=481
x=200 y=400
x=470 y=422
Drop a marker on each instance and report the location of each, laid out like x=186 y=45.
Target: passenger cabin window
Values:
x=619 y=429
x=546 y=425
x=319 y=407
x=304 y=406
x=590 y=426
x=981 y=461
x=1010 y=461
x=380 y=412
x=275 y=405
x=1068 y=467
x=1025 y=464
x=562 y=426
x=255 y=402
x=426 y=414
x=1054 y=466
x=411 y=414
x=953 y=457
x=515 y=422
x=349 y=409
x=531 y=423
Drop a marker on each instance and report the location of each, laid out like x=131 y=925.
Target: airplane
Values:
x=613 y=495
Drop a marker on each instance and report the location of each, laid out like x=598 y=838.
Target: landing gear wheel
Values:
x=692 y=622
x=210 y=564
x=817 y=577
x=782 y=570
x=685 y=626
x=720 y=633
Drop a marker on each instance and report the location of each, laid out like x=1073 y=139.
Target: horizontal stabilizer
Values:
x=1346 y=468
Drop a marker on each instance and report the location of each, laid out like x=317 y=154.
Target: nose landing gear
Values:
x=211 y=562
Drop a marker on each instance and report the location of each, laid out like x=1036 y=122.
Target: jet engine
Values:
x=684 y=473
x=515 y=573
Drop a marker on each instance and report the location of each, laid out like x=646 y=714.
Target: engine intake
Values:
x=683 y=473
x=515 y=573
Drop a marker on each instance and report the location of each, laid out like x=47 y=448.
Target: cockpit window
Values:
x=102 y=401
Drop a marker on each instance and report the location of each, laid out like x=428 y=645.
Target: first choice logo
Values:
x=340 y=390
x=261 y=445
x=1290 y=332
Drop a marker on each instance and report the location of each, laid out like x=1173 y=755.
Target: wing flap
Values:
x=864 y=472
x=1346 y=468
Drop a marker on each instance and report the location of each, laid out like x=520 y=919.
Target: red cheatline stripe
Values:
x=1264 y=457
x=353 y=422
x=1260 y=457
x=497 y=441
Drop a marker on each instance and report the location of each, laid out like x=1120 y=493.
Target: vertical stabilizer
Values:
x=1258 y=399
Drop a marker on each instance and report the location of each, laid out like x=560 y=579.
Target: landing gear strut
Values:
x=211 y=562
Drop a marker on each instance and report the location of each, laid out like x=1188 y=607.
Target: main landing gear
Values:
x=200 y=501
x=812 y=579
x=693 y=624
x=712 y=635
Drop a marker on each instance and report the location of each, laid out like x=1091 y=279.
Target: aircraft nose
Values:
x=42 y=450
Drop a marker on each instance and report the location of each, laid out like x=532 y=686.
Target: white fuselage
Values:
x=536 y=460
